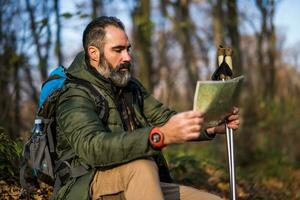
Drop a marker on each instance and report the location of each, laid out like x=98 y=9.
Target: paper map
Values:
x=216 y=99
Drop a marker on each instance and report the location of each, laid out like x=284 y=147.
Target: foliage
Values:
x=10 y=152
x=68 y=15
x=269 y=178
x=275 y=121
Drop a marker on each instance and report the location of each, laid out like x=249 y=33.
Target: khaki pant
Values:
x=138 y=180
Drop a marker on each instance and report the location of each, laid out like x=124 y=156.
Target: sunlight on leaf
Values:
x=67 y=15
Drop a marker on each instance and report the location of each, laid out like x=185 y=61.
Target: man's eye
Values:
x=118 y=50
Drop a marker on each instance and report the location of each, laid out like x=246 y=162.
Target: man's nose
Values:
x=126 y=56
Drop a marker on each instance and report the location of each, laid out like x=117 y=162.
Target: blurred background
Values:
x=174 y=45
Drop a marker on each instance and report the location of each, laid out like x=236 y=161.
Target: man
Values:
x=122 y=153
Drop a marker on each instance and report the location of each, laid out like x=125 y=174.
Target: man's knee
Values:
x=143 y=165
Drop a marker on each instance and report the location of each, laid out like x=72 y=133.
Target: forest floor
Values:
x=269 y=188
x=265 y=176
x=209 y=178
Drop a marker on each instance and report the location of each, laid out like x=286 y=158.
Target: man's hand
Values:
x=232 y=120
x=182 y=127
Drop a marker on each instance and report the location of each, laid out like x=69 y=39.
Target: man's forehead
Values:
x=116 y=36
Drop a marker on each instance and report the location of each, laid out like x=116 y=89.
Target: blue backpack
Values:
x=40 y=149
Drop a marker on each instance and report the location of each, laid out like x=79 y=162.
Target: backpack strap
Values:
x=138 y=94
x=62 y=168
x=64 y=171
x=100 y=102
x=24 y=164
x=51 y=141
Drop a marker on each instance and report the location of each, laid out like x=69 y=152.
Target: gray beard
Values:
x=119 y=78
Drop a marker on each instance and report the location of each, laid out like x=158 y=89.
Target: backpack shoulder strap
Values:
x=138 y=92
x=100 y=102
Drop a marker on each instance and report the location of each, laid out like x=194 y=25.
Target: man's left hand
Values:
x=232 y=121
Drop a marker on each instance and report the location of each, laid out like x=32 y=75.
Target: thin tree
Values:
x=185 y=30
x=97 y=8
x=58 y=43
x=142 y=34
x=234 y=35
x=218 y=23
x=267 y=37
x=11 y=63
x=42 y=47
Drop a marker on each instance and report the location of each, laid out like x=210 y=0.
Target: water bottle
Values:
x=35 y=146
x=38 y=127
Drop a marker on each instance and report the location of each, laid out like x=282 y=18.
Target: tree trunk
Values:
x=43 y=58
x=142 y=32
x=58 y=45
x=97 y=8
x=17 y=118
x=266 y=37
x=185 y=29
x=30 y=81
x=218 y=23
x=271 y=51
x=234 y=35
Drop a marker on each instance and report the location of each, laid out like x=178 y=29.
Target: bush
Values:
x=10 y=152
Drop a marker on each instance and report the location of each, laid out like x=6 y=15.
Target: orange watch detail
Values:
x=156 y=138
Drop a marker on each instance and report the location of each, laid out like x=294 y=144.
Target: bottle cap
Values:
x=38 y=121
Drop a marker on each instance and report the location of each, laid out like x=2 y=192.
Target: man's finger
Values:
x=192 y=114
x=232 y=117
x=234 y=124
x=235 y=110
x=192 y=136
x=195 y=129
x=195 y=121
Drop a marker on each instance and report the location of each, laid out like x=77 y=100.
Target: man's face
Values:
x=116 y=56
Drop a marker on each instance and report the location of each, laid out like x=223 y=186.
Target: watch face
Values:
x=156 y=137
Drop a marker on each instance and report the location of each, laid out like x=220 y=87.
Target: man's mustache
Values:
x=126 y=65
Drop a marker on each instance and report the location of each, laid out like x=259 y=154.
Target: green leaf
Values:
x=18 y=148
x=84 y=16
x=44 y=21
x=67 y=15
x=10 y=171
x=2 y=130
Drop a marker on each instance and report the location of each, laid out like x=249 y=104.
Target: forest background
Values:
x=174 y=45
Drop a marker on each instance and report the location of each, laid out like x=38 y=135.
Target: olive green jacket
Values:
x=84 y=139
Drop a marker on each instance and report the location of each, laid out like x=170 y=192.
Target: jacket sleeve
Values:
x=91 y=142
x=158 y=114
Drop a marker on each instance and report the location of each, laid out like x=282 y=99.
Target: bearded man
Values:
x=120 y=157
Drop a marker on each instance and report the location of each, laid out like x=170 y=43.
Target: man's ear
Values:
x=94 y=53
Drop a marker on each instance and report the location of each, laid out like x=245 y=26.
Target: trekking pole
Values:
x=229 y=139
x=231 y=165
x=224 y=72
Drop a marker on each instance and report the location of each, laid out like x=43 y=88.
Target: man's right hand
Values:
x=182 y=127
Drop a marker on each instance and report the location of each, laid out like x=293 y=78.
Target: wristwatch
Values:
x=156 y=138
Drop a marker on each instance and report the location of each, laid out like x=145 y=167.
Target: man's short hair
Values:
x=94 y=33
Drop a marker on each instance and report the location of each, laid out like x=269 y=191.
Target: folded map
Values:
x=216 y=99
